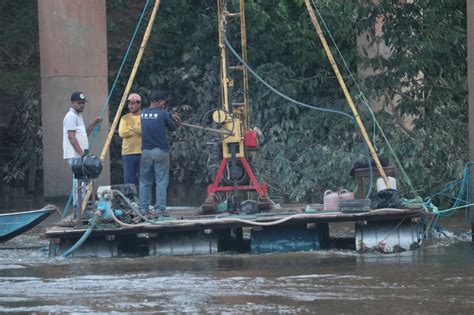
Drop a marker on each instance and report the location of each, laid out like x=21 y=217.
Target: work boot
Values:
x=152 y=213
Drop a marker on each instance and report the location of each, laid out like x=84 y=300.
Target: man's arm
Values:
x=175 y=116
x=126 y=130
x=170 y=121
x=71 y=135
x=94 y=123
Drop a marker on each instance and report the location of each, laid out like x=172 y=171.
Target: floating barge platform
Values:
x=186 y=231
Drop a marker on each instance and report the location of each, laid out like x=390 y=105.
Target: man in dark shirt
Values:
x=155 y=160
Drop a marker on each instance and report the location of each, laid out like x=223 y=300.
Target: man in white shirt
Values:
x=75 y=142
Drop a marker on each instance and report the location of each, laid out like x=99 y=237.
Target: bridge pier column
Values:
x=73 y=56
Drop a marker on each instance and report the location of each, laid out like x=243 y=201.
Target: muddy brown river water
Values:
x=438 y=278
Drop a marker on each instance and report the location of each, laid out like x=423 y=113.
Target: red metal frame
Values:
x=254 y=185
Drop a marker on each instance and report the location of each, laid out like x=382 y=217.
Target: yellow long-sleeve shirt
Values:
x=130 y=131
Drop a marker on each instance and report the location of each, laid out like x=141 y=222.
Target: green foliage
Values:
x=428 y=72
x=19 y=87
x=19 y=52
x=25 y=141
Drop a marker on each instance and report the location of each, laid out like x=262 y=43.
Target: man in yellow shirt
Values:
x=131 y=134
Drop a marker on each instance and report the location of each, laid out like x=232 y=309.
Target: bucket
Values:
x=345 y=194
x=381 y=183
x=331 y=201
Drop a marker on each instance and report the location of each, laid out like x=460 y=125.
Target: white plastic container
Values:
x=381 y=183
x=345 y=194
x=331 y=201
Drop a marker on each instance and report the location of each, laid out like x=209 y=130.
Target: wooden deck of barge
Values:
x=189 y=218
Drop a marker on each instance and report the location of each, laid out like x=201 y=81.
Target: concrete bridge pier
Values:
x=73 y=56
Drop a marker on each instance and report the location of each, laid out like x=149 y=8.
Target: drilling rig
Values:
x=235 y=177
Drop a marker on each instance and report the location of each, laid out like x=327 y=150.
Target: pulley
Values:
x=221 y=120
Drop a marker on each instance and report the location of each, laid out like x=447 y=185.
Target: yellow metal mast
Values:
x=245 y=75
x=223 y=56
x=233 y=116
x=314 y=20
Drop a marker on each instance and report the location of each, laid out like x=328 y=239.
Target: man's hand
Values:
x=175 y=117
x=95 y=123
x=98 y=120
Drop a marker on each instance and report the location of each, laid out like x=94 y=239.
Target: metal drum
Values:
x=388 y=236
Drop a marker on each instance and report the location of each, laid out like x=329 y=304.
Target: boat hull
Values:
x=16 y=223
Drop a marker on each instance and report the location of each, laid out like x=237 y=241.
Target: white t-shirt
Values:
x=74 y=121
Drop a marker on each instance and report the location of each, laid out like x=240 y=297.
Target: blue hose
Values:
x=93 y=223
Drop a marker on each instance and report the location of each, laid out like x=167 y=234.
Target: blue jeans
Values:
x=154 y=165
x=131 y=168
x=75 y=186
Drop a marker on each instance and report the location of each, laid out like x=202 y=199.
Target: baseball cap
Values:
x=157 y=96
x=78 y=96
x=134 y=97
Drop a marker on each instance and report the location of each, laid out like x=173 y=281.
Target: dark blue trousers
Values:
x=131 y=168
